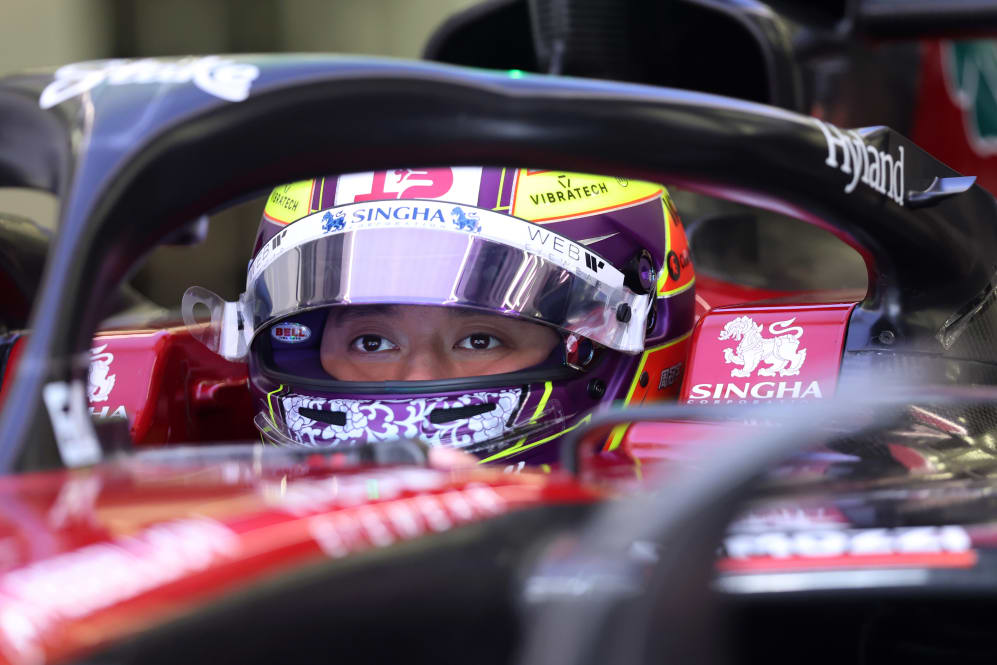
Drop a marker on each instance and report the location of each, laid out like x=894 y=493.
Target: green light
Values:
x=516 y=73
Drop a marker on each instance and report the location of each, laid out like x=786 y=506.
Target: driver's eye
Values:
x=372 y=344
x=479 y=342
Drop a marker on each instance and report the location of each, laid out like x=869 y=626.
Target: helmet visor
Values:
x=437 y=253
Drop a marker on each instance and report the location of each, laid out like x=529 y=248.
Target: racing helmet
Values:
x=600 y=260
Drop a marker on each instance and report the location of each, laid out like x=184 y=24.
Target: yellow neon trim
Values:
x=676 y=291
x=663 y=277
x=298 y=192
x=616 y=436
x=668 y=222
x=518 y=448
x=498 y=197
x=613 y=195
x=545 y=468
x=637 y=469
x=273 y=419
x=263 y=440
x=548 y=389
x=643 y=361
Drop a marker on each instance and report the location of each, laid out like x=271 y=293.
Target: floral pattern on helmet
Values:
x=371 y=420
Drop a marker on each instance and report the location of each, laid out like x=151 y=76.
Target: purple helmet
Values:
x=601 y=261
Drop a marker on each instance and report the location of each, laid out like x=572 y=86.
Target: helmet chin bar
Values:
x=455 y=431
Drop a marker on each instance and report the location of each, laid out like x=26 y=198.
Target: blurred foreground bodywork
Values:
x=248 y=554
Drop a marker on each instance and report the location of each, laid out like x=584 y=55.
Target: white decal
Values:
x=383 y=420
x=442 y=216
x=780 y=353
x=76 y=502
x=848 y=542
x=383 y=524
x=216 y=76
x=106 y=412
x=770 y=519
x=778 y=390
x=100 y=381
x=456 y=185
x=74 y=434
x=76 y=584
x=291 y=332
x=877 y=169
x=308 y=496
x=595 y=239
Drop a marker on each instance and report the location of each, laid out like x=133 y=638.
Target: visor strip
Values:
x=440 y=216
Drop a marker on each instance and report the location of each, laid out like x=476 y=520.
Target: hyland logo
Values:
x=465 y=221
x=333 y=221
x=877 y=169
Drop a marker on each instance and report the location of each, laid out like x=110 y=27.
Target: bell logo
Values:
x=780 y=352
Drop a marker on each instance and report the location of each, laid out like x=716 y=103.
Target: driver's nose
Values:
x=428 y=365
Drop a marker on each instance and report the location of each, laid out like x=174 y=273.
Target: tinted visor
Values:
x=435 y=253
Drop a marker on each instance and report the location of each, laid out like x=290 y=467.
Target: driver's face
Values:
x=415 y=343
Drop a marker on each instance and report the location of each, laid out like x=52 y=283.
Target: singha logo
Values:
x=465 y=221
x=100 y=381
x=780 y=352
x=332 y=222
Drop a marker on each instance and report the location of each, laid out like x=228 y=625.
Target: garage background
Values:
x=45 y=33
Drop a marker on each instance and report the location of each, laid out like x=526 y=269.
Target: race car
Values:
x=122 y=545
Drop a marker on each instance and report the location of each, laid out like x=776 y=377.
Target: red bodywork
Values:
x=168 y=385
x=89 y=557
x=708 y=378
